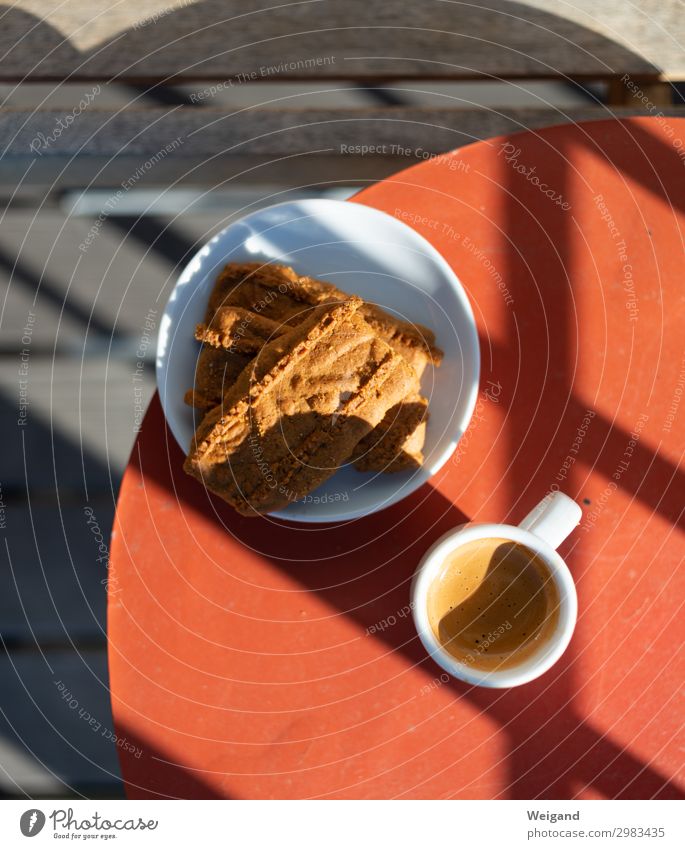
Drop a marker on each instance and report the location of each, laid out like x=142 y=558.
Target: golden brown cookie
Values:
x=298 y=410
x=278 y=293
x=396 y=443
x=216 y=371
x=239 y=329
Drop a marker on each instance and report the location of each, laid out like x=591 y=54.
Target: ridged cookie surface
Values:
x=276 y=292
x=298 y=410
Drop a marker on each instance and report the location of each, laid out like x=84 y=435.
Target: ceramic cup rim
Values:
x=552 y=649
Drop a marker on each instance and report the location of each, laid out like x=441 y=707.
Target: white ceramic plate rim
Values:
x=420 y=244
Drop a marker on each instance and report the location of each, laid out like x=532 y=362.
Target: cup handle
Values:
x=553 y=519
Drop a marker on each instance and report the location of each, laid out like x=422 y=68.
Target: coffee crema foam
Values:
x=493 y=604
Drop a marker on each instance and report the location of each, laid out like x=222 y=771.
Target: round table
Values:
x=257 y=659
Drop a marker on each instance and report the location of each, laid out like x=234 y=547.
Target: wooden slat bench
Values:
x=634 y=53
x=355 y=39
x=159 y=146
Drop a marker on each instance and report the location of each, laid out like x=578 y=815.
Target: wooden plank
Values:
x=78 y=422
x=338 y=39
x=158 y=136
x=623 y=92
x=54 y=747
x=296 y=148
x=58 y=172
x=79 y=298
x=53 y=571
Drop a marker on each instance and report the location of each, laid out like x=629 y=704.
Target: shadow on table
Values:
x=160 y=777
x=553 y=752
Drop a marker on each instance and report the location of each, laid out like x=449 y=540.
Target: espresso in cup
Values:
x=493 y=604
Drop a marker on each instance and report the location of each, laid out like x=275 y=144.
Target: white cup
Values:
x=542 y=531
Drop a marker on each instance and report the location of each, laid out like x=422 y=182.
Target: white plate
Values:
x=365 y=252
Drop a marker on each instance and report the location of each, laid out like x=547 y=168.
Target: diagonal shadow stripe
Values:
x=156 y=234
x=652 y=479
x=558 y=312
x=42 y=286
x=642 y=150
x=539 y=722
x=158 y=776
x=382 y=95
x=163 y=95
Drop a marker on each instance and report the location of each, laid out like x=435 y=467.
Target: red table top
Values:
x=256 y=659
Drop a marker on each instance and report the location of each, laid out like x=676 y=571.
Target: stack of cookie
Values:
x=296 y=378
